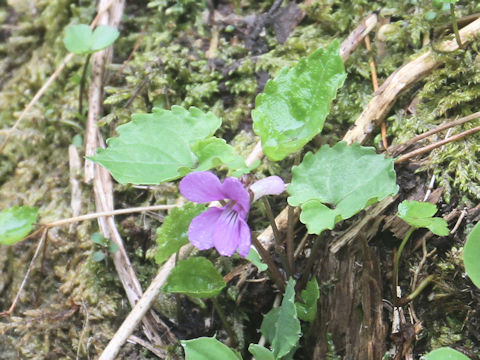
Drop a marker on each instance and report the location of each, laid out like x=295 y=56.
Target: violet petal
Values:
x=201 y=187
x=233 y=189
x=245 y=240
x=202 y=228
x=226 y=235
x=272 y=185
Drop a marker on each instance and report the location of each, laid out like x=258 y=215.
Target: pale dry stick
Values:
x=410 y=73
x=435 y=145
x=34 y=100
x=75 y=169
x=47 y=84
x=97 y=215
x=142 y=307
x=103 y=184
x=356 y=36
x=459 y=221
x=162 y=354
x=24 y=281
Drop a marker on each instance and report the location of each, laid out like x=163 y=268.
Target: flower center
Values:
x=229 y=214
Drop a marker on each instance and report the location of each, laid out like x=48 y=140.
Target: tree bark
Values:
x=351 y=310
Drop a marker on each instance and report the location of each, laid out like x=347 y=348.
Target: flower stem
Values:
x=397 y=258
x=226 y=325
x=178 y=302
x=290 y=245
x=82 y=85
x=417 y=291
x=275 y=274
x=310 y=262
x=453 y=19
x=271 y=218
x=276 y=233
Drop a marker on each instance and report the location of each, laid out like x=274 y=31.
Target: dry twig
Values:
x=410 y=73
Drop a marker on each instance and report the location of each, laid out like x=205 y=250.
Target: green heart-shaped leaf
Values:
x=152 y=148
x=337 y=182
x=205 y=348
x=196 y=277
x=293 y=107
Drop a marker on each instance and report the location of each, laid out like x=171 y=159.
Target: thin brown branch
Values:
x=373 y=72
x=435 y=145
x=272 y=268
x=24 y=281
x=447 y=125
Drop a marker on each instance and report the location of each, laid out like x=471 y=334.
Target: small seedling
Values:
x=106 y=247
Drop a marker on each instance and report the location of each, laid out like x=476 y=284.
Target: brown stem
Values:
x=453 y=19
x=290 y=245
x=82 y=85
x=275 y=274
x=276 y=233
x=226 y=324
x=447 y=125
x=308 y=268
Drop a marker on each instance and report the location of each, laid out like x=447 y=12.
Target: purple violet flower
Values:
x=224 y=228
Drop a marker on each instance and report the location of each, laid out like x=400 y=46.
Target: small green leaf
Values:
x=78 y=38
x=471 y=253
x=173 y=234
x=206 y=348
x=294 y=105
x=419 y=214
x=16 y=223
x=445 y=353
x=281 y=326
x=260 y=353
x=254 y=258
x=196 y=277
x=98 y=256
x=98 y=238
x=152 y=148
x=102 y=37
x=112 y=247
x=307 y=311
x=347 y=178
